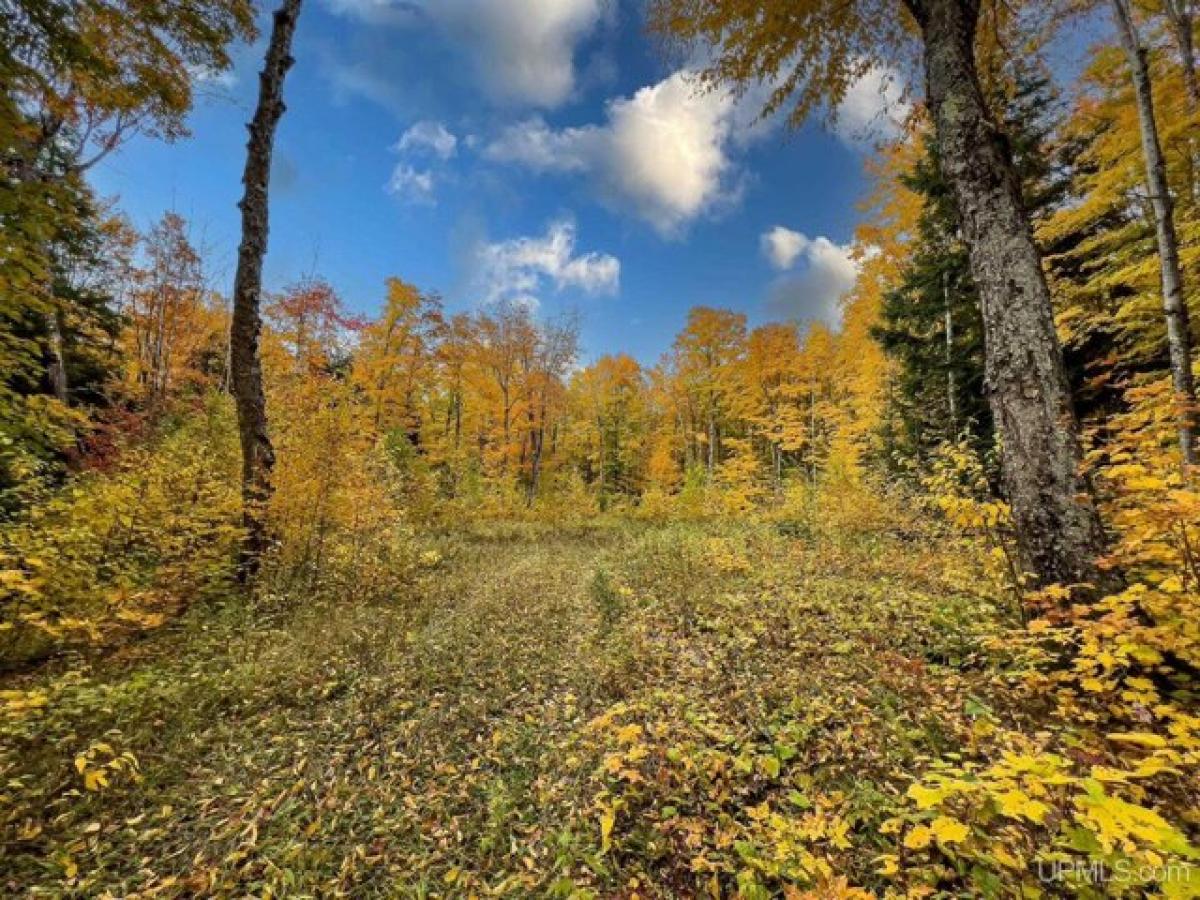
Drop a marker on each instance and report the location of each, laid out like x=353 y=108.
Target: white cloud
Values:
x=535 y=144
x=361 y=78
x=664 y=152
x=207 y=76
x=411 y=184
x=782 y=246
x=875 y=107
x=376 y=12
x=524 y=49
x=418 y=185
x=431 y=136
x=517 y=270
x=814 y=290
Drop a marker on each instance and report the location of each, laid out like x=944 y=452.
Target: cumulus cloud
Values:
x=782 y=246
x=411 y=184
x=524 y=50
x=819 y=274
x=428 y=136
x=517 y=270
x=425 y=138
x=663 y=153
x=875 y=107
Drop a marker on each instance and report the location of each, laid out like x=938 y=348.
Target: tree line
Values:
x=956 y=299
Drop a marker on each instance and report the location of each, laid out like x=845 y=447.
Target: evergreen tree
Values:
x=931 y=323
x=58 y=327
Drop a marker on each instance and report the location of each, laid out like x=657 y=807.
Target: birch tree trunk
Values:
x=56 y=366
x=1058 y=531
x=1181 y=16
x=1179 y=337
x=951 y=387
x=258 y=456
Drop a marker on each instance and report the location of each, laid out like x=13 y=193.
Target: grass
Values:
x=598 y=711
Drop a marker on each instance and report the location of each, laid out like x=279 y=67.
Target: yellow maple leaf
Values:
x=925 y=797
x=1017 y=804
x=629 y=734
x=949 y=831
x=918 y=838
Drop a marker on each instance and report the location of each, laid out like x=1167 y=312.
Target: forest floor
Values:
x=604 y=711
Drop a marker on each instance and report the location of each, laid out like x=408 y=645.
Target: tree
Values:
x=1181 y=15
x=1181 y=23
x=503 y=342
x=812 y=52
x=1101 y=247
x=930 y=324
x=554 y=353
x=706 y=353
x=76 y=79
x=308 y=318
x=814 y=396
x=85 y=76
x=258 y=457
x=768 y=380
x=608 y=400
x=451 y=359
x=163 y=306
x=930 y=321
x=396 y=355
x=1179 y=337
x=57 y=327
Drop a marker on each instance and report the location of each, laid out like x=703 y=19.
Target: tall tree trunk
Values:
x=60 y=386
x=258 y=457
x=537 y=438
x=603 y=463
x=712 y=443
x=812 y=431
x=56 y=366
x=1058 y=530
x=1179 y=336
x=1181 y=16
x=457 y=419
x=951 y=387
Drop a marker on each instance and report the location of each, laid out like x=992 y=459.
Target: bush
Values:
x=121 y=550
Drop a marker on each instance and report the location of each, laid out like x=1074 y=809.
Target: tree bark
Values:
x=1179 y=336
x=1057 y=528
x=1181 y=14
x=951 y=387
x=56 y=366
x=537 y=438
x=258 y=456
x=1181 y=17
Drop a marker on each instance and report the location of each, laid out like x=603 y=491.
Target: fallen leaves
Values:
x=477 y=739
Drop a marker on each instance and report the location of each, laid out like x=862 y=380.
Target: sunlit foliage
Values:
x=745 y=621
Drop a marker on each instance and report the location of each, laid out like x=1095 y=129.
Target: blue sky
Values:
x=541 y=150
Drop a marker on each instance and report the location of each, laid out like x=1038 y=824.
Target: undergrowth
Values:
x=617 y=710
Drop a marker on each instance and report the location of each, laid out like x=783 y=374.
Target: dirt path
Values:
x=544 y=713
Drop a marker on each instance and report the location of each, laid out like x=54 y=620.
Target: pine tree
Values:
x=930 y=323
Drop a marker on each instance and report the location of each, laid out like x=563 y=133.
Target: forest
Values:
x=433 y=600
